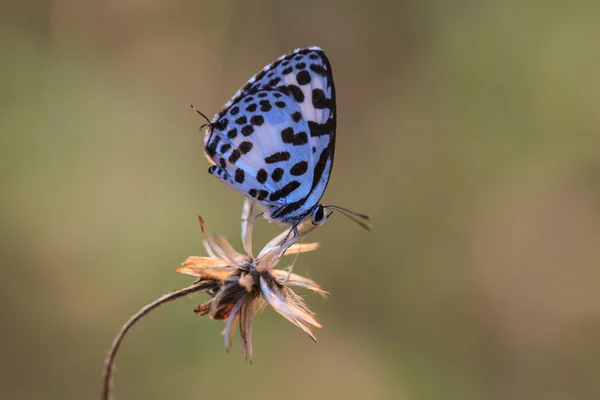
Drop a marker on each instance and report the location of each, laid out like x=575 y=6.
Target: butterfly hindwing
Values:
x=261 y=148
x=274 y=140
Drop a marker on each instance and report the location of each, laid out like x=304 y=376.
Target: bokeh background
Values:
x=469 y=129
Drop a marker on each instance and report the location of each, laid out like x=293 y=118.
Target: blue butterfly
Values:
x=274 y=141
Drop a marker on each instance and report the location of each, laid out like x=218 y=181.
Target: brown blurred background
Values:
x=470 y=130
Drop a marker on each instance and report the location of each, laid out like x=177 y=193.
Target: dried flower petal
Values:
x=237 y=258
x=230 y=320
x=288 y=279
x=302 y=248
x=216 y=249
x=288 y=310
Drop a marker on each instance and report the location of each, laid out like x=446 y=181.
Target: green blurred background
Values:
x=469 y=129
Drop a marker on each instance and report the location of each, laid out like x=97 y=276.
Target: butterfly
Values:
x=274 y=141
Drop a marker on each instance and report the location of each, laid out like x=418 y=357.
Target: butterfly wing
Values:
x=262 y=150
x=305 y=75
x=301 y=122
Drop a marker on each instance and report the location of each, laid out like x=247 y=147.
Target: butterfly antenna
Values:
x=193 y=107
x=360 y=219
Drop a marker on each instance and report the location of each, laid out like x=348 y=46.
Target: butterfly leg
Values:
x=294 y=230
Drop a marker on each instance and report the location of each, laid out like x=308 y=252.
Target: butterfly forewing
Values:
x=274 y=140
x=305 y=75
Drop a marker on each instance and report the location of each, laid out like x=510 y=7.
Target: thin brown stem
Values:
x=110 y=359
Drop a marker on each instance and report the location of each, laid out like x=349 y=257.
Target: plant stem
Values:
x=110 y=359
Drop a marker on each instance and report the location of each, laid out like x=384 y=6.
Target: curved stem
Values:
x=110 y=359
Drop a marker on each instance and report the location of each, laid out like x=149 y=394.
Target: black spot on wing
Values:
x=297 y=139
x=319 y=99
x=261 y=175
x=277 y=157
x=327 y=128
x=211 y=149
x=257 y=120
x=284 y=90
x=245 y=147
x=247 y=130
x=240 y=175
x=303 y=77
x=318 y=69
x=262 y=194
x=274 y=81
x=220 y=172
x=232 y=133
x=284 y=191
x=277 y=174
x=296 y=92
x=235 y=156
x=265 y=106
x=299 y=168
x=222 y=124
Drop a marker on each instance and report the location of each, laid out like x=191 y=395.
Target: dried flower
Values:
x=241 y=285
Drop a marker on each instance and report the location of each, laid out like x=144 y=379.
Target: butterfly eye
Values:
x=318 y=216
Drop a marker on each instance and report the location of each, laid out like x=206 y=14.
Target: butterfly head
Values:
x=319 y=215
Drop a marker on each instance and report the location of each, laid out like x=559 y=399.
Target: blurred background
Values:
x=470 y=130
